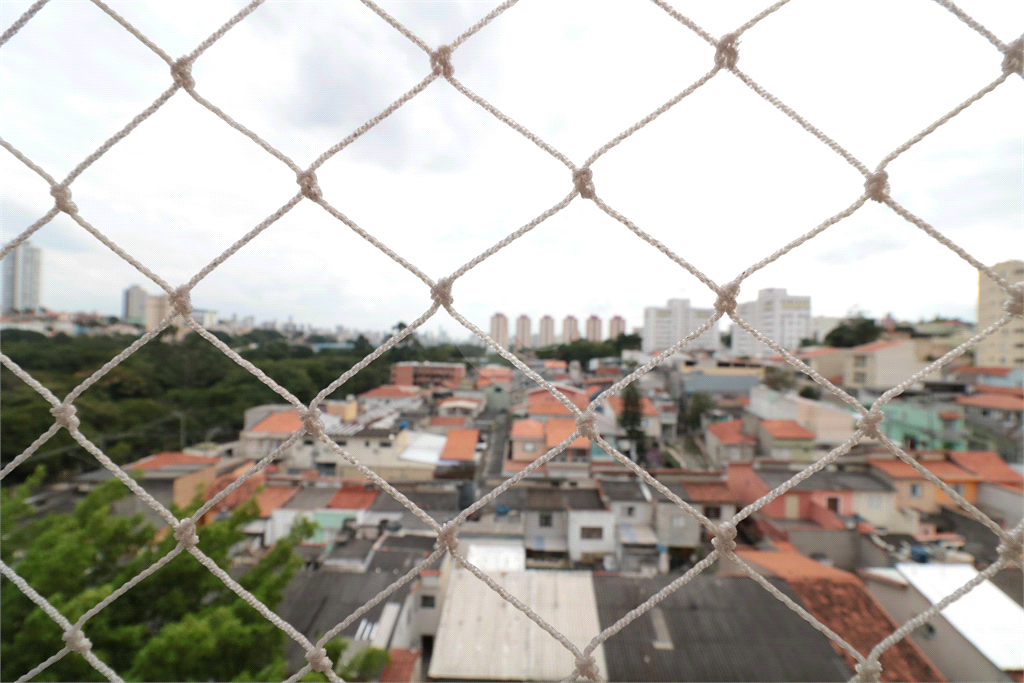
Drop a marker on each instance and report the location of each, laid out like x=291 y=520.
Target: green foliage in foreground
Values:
x=179 y=624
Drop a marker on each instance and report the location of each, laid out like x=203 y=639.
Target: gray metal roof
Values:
x=718 y=384
x=720 y=629
x=310 y=498
x=623 y=490
x=827 y=481
x=675 y=488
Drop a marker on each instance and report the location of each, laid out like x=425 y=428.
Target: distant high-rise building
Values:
x=499 y=329
x=157 y=308
x=1004 y=348
x=664 y=326
x=546 y=335
x=657 y=329
x=22 y=273
x=593 y=329
x=134 y=310
x=523 y=338
x=570 y=329
x=784 y=318
x=616 y=326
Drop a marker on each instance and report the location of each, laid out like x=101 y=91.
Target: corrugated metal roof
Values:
x=481 y=636
x=985 y=616
x=826 y=480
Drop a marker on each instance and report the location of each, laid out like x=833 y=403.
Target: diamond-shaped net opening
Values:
x=441 y=63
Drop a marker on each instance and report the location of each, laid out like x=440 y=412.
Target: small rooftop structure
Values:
x=461 y=445
x=787 y=429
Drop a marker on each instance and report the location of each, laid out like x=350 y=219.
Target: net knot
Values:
x=319 y=660
x=584 y=181
x=727 y=53
x=1012 y=547
x=441 y=61
x=725 y=537
x=181 y=72
x=185 y=533
x=65 y=414
x=1015 y=304
x=868 y=424
x=62 y=196
x=181 y=300
x=312 y=421
x=868 y=672
x=441 y=293
x=77 y=641
x=587 y=666
x=448 y=537
x=1013 y=58
x=726 y=303
x=877 y=186
x=587 y=426
x=310 y=187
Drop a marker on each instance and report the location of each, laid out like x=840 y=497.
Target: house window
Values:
x=860 y=377
x=593 y=532
x=833 y=504
x=307 y=442
x=385 y=444
x=915 y=490
x=713 y=512
x=342 y=443
x=366 y=444
x=529 y=447
x=427 y=601
x=860 y=361
x=630 y=511
x=545 y=519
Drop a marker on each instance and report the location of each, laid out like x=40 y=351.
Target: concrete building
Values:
x=22 y=277
x=881 y=365
x=134 y=309
x=546 y=334
x=657 y=334
x=570 y=329
x=925 y=423
x=499 y=330
x=996 y=417
x=524 y=340
x=663 y=327
x=593 y=329
x=782 y=317
x=427 y=373
x=157 y=308
x=616 y=326
x=1006 y=347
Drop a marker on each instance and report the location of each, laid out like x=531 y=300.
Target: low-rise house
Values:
x=1001 y=489
x=460 y=406
x=880 y=365
x=679 y=533
x=827 y=361
x=527 y=441
x=631 y=504
x=727 y=442
x=993 y=376
x=530 y=439
x=460 y=455
x=650 y=417
x=389 y=394
x=976 y=638
x=171 y=478
x=427 y=373
x=785 y=440
x=924 y=423
x=996 y=417
x=915 y=492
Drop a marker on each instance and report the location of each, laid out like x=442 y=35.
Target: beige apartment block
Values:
x=546 y=334
x=593 y=329
x=499 y=329
x=524 y=340
x=1005 y=348
x=881 y=365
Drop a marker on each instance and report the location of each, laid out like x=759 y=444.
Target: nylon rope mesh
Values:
x=439 y=64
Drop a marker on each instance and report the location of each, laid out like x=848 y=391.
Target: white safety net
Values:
x=438 y=63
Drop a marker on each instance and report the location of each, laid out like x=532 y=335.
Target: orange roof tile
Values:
x=878 y=346
x=981 y=370
x=786 y=429
x=483 y=382
x=392 y=391
x=646 y=407
x=988 y=465
x=541 y=402
x=558 y=430
x=239 y=495
x=993 y=401
x=448 y=421
x=1009 y=391
x=284 y=422
x=461 y=445
x=946 y=471
x=527 y=429
x=793 y=566
x=951 y=416
x=169 y=458
x=273 y=497
x=455 y=399
x=730 y=433
x=709 y=492
x=812 y=353
x=555 y=365
x=401 y=667
x=520 y=465
x=352 y=498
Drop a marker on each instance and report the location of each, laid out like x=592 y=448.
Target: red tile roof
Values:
x=812 y=353
x=558 y=430
x=483 y=382
x=951 y=416
x=731 y=433
x=993 y=401
x=392 y=391
x=402 y=666
x=352 y=498
x=646 y=407
x=878 y=346
x=519 y=465
x=527 y=429
x=541 y=402
x=448 y=421
x=239 y=495
x=946 y=471
x=988 y=465
x=273 y=497
x=284 y=422
x=980 y=370
x=461 y=445
x=709 y=492
x=989 y=389
x=169 y=458
x=500 y=375
x=555 y=365
x=786 y=429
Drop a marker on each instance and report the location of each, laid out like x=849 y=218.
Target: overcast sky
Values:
x=723 y=178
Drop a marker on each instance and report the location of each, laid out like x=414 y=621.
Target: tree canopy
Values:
x=853 y=332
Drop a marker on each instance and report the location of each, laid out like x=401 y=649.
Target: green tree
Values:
x=779 y=379
x=696 y=405
x=180 y=623
x=810 y=392
x=853 y=332
x=631 y=417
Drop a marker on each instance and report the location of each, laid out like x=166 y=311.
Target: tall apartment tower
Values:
x=777 y=315
x=134 y=309
x=524 y=340
x=570 y=329
x=499 y=329
x=1005 y=348
x=22 y=273
x=664 y=326
x=616 y=326
x=157 y=308
x=546 y=334
x=593 y=329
